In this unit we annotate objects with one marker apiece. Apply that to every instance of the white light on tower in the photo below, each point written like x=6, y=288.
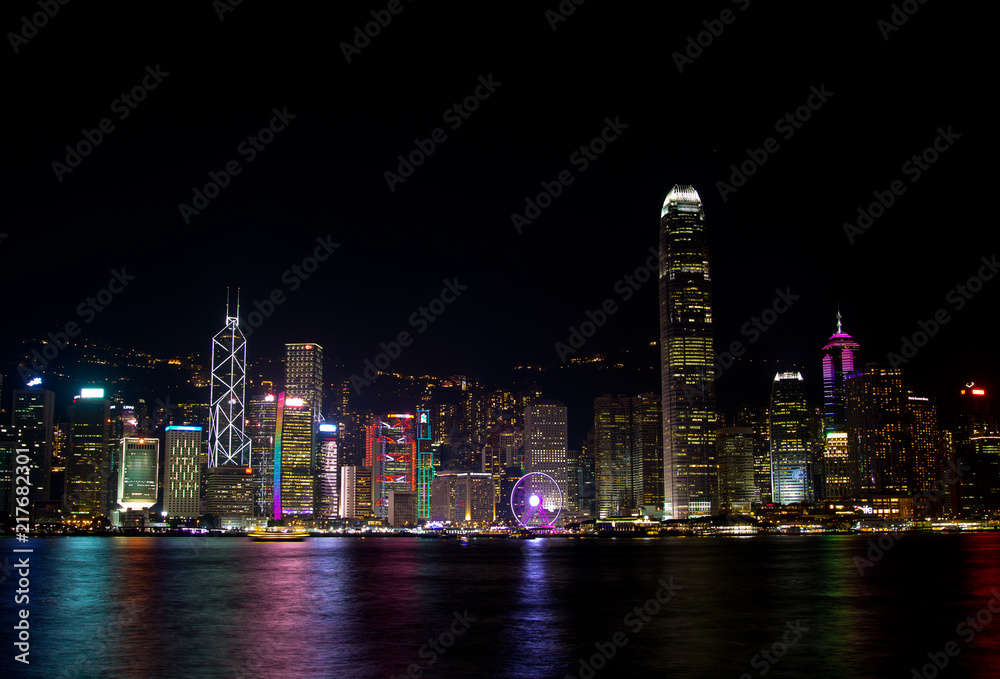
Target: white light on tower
x=227, y=444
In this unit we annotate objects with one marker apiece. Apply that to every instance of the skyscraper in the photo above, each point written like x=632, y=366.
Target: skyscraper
x=875, y=409
x=687, y=363
x=425, y=464
x=736, y=466
x=790, y=463
x=757, y=420
x=31, y=421
x=304, y=375
x=545, y=442
x=924, y=457
x=299, y=414
x=647, y=450
x=294, y=457
x=836, y=467
x=89, y=462
x=612, y=437
x=838, y=363
x=182, y=477
x=262, y=418
x=138, y=472
x=391, y=448
x=228, y=446
x=327, y=469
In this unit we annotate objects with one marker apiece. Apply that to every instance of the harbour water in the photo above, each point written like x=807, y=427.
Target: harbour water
x=357, y=608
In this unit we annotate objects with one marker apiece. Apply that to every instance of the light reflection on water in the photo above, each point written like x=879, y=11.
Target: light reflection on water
x=132, y=608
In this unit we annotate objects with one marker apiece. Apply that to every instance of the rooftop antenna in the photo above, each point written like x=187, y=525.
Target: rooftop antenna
x=840, y=330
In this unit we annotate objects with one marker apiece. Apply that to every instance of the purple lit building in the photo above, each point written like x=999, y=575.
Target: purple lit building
x=838, y=363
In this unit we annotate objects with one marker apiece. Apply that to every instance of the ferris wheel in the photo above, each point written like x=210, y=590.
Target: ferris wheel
x=536, y=501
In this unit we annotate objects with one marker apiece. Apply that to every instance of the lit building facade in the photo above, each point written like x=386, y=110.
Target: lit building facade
x=89, y=464
x=876, y=401
x=402, y=508
x=293, y=457
x=182, y=477
x=790, y=464
x=304, y=375
x=647, y=450
x=327, y=469
x=757, y=420
x=391, y=448
x=426, y=467
x=138, y=473
x=924, y=456
x=612, y=439
x=31, y=427
x=838, y=363
x=230, y=493
x=262, y=422
x=836, y=466
x=686, y=357
x=736, y=468
x=545, y=441
x=463, y=497
x=227, y=443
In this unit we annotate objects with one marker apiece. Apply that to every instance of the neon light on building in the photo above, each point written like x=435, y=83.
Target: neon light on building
x=838, y=363
x=390, y=447
x=425, y=464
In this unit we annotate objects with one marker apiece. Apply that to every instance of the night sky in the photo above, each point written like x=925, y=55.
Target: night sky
x=886, y=95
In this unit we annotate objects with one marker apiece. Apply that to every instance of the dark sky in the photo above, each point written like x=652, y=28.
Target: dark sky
x=324, y=175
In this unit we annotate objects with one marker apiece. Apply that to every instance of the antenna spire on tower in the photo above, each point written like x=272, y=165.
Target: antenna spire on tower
x=840, y=330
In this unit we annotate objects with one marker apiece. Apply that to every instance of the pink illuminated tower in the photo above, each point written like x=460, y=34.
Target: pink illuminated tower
x=838, y=363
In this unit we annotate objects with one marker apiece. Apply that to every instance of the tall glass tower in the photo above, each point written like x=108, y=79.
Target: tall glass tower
x=690, y=471
x=790, y=467
x=227, y=443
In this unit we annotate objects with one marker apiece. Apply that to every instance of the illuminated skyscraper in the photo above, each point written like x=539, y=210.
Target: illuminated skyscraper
x=924, y=454
x=391, y=448
x=89, y=462
x=757, y=420
x=876, y=400
x=836, y=467
x=736, y=468
x=228, y=446
x=293, y=457
x=32, y=429
x=790, y=463
x=838, y=363
x=327, y=469
x=138, y=472
x=182, y=477
x=687, y=363
x=298, y=417
x=647, y=450
x=545, y=441
x=612, y=438
x=304, y=375
x=262, y=419
x=425, y=464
